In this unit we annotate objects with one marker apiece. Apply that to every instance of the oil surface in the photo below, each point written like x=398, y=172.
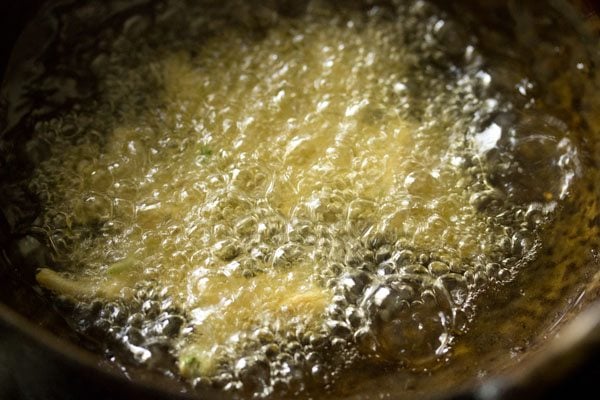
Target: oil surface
x=273, y=200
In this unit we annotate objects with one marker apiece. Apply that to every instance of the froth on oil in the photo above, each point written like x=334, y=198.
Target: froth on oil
x=294, y=196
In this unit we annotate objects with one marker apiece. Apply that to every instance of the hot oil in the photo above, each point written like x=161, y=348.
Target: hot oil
x=268, y=202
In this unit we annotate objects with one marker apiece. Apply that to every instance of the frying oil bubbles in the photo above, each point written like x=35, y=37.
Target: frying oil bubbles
x=299, y=195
